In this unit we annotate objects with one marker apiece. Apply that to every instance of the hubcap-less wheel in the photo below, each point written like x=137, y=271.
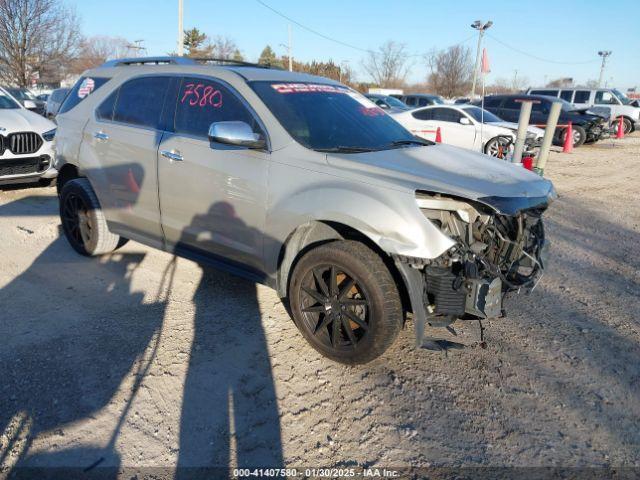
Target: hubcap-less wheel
x=335, y=307
x=76, y=219
x=497, y=148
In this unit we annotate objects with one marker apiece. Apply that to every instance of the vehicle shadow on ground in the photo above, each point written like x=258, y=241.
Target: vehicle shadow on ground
x=64, y=360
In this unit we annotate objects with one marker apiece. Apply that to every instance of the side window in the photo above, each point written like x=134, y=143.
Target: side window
x=426, y=114
x=202, y=102
x=605, y=98
x=492, y=102
x=84, y=87
x=411, y=101
x=511, y=104
x=582, y=96
x=542, y=107
x=551, y=93
x=446, y=115
x=105, y=110
x=566, y=95
x=140, y=101
x=423, y=102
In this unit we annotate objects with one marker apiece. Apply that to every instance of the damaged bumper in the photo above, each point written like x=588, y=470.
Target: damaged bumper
x=500, y=248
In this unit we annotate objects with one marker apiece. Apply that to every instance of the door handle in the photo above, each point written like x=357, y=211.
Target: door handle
x=172, y=155
x=100, y=136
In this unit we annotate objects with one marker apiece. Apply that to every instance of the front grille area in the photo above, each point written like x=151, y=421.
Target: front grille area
x=24, y=166
x=21, y=143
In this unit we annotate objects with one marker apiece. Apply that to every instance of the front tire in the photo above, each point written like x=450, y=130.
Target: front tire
x=345, y=302
x=83, y=221
x=579, y=135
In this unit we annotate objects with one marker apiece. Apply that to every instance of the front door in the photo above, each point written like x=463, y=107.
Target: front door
x=213, y=197
x=451, y=130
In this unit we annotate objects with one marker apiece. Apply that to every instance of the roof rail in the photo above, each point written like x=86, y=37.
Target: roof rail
x=229, y=61
x=123, y=62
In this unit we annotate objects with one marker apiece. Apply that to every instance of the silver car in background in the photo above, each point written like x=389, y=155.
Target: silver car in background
x=302, y=184
x=54, y=102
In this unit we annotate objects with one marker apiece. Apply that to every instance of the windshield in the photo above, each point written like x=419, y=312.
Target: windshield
x=332, y=117
x=477, y=113
x=622, y=97
x=7, y=103
x=21, y=93
x=394, y=102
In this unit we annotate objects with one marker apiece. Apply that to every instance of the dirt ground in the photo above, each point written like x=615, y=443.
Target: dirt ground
x=139, y=359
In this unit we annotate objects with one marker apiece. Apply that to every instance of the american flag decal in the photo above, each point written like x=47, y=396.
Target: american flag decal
x=86, y=87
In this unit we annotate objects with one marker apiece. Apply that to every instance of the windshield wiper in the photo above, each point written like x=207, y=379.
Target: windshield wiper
x=346, y=149
x=400, y=143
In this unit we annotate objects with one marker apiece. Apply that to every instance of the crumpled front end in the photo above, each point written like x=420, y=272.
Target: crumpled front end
x=500, y=247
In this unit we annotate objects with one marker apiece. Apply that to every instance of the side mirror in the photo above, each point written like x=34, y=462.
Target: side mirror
x=465, y=121
x=383, y=105
x=239, y=134
x=29, y=105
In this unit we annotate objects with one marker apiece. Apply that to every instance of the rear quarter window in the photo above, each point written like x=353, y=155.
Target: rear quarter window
x=84, y=87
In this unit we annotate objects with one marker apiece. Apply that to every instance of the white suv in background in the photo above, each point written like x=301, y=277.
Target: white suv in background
x=599, y=100
x=26, y=144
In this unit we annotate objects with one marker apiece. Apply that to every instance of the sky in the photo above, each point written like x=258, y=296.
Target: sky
x=564, y=35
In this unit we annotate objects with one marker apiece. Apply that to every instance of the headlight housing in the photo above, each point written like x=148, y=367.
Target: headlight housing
x=49, y=135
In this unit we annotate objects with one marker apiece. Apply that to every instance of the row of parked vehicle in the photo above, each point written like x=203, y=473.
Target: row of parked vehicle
x=45, y=104
x=593, y=113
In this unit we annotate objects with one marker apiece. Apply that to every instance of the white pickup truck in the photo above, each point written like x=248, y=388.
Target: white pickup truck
x=610, y=101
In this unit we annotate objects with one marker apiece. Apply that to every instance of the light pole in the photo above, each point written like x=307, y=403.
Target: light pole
x=180, y=49
x=604, y=54
x=289, y=47
x=478, y=25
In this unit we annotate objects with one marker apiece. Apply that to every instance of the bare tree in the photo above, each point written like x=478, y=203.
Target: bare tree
x=561, y=82
x=387, y=66
x=224, y=47
x=35, y=35
x=94, y=51
x=451, y=71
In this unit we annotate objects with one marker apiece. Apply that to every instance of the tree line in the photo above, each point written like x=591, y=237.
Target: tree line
x=42, y=39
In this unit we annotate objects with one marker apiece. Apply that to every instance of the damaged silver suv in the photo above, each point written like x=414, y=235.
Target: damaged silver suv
x=302, y=184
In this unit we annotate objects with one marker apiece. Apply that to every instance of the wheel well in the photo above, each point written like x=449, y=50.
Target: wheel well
x=314, y=234
x=66, y=173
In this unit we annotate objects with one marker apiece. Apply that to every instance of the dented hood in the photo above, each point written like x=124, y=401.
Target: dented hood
x=453, y=171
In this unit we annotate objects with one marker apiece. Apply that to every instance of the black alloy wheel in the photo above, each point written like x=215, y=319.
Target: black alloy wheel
x=335, y=307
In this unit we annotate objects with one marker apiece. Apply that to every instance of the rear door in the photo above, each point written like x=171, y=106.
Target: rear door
x=122, y=144
x=213, y=197
x=510, y=110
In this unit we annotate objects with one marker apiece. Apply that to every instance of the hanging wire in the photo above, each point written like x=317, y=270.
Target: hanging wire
x=531, y=55
x=340, y=42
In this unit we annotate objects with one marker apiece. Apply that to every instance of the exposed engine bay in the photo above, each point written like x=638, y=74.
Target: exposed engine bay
x=495, y=254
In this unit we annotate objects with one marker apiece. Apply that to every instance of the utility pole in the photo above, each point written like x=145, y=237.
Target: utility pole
x=289, y=48
x=180, y=49
x=604, y=54
x=481, y=29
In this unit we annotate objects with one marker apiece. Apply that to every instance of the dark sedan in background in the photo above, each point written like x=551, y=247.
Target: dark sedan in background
x=586, y=127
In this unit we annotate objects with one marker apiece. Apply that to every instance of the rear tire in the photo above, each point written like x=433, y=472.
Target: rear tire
x=83, y=221
x=353, y=318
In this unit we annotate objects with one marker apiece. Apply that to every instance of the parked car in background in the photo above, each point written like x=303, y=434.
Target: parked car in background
x=415, y=100
x=608, y=101
x=27, y=99
x=586, y=127
x=461, y=125
x=300, y=183
x=26, y=144
x=462, y=100
x=55, y=100
x=387, y=102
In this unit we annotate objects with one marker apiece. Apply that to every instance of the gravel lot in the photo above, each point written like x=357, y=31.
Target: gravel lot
x=139, y=359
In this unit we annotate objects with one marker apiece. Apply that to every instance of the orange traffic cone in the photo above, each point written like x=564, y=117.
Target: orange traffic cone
x=620, y=132
x=438, y=136
x=568, y=140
